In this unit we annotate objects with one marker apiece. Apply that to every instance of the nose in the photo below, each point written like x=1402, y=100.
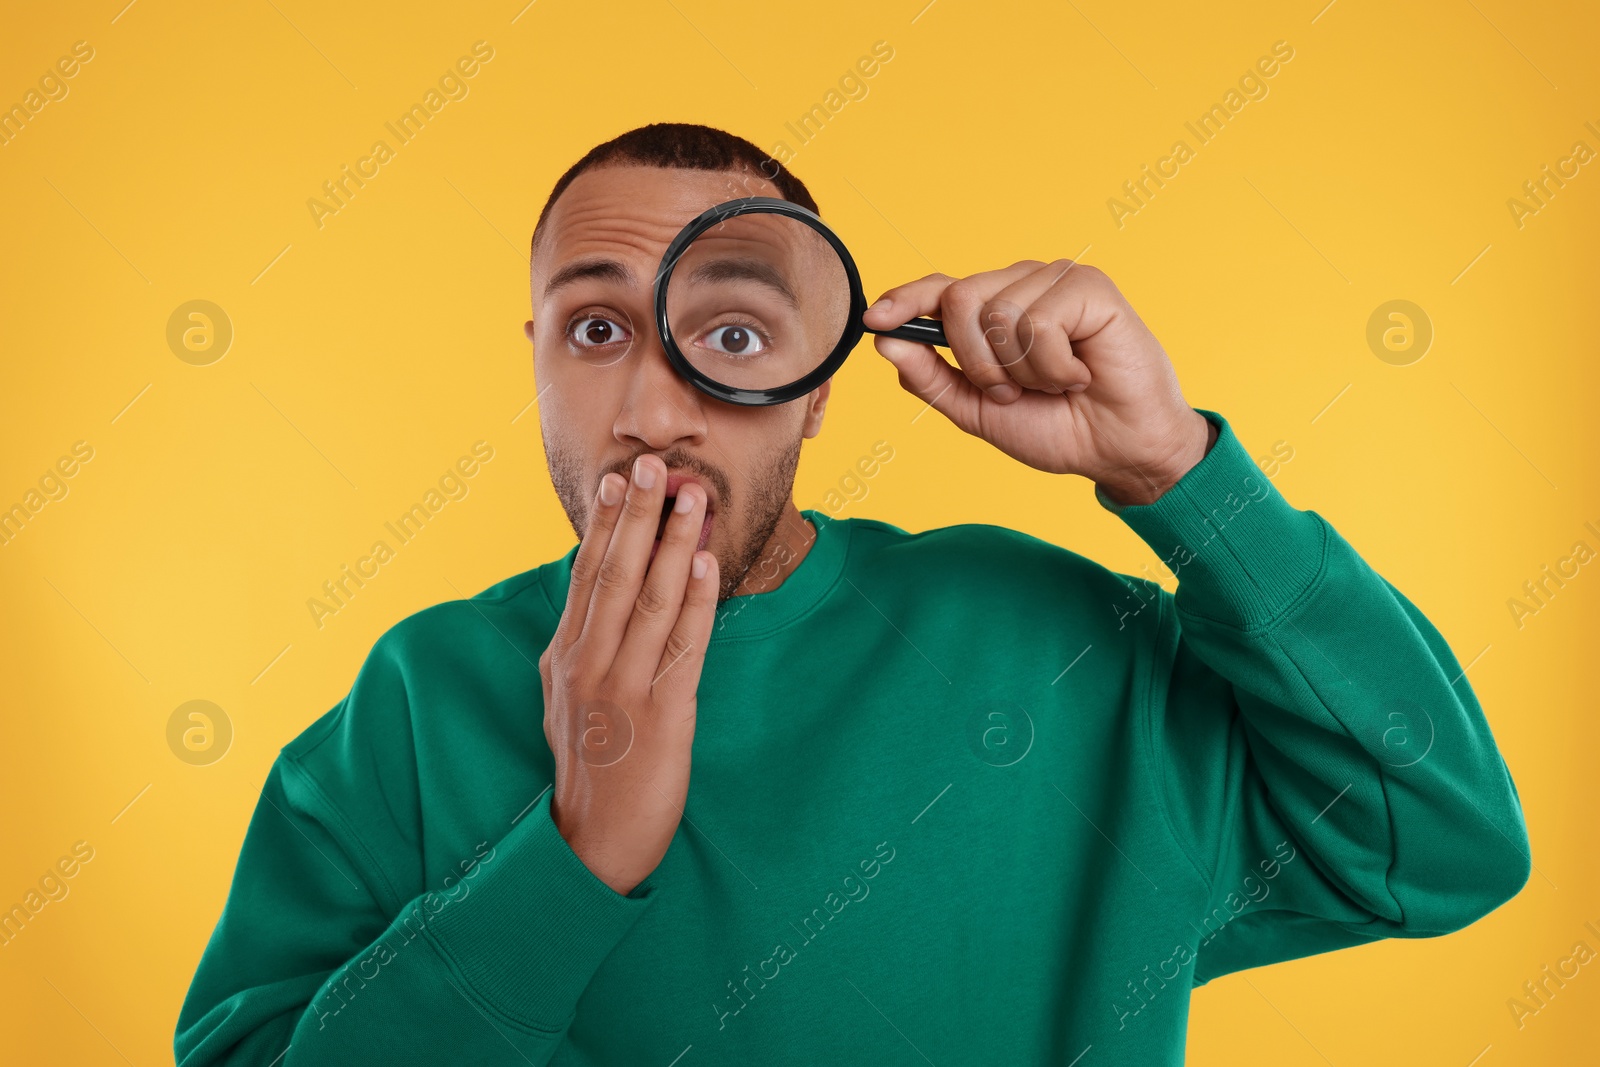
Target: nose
x=659, y=408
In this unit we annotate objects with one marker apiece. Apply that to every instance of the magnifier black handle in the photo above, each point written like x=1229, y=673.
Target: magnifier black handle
x=928, y=331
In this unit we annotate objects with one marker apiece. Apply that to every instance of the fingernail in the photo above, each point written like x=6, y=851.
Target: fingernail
x=644, y=475
x=610, y=493
x=883, y=304
x=1002, y=393
x=698, y=567
x=1078, y=388
x=683, y=503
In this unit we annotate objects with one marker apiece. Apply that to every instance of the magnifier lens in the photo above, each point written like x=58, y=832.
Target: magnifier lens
x=758, y=301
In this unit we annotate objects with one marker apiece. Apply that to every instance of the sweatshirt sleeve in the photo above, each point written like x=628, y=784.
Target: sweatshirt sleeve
x=1322, y=757
x=318, y=959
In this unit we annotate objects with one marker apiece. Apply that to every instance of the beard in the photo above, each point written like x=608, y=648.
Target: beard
x=757, y=519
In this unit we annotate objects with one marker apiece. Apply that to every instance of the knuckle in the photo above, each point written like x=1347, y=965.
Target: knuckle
x=577, y=675
x=652, y=602
x=566, y=630
x=961, y=296
x=1040, y=326
x=1002, y=312
x=639, y=504
x=583, y=569
x=611, y=577
x=678, y=645
x=1003, y=329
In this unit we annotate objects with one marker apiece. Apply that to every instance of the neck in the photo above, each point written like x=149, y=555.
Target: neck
x=788, y=545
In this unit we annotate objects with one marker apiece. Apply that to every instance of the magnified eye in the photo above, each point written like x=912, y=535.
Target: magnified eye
x=735, y=340
x=593, y=331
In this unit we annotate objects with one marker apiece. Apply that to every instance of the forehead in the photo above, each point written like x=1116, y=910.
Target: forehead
x=633, y=212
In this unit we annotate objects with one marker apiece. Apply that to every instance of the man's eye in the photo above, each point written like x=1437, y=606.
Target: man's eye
x=594, y=331
x=735, y=341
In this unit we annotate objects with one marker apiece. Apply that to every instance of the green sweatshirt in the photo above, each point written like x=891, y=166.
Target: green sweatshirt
x=958, y=796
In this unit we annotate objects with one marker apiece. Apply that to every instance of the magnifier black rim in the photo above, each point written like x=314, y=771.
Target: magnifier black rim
x=854, y=330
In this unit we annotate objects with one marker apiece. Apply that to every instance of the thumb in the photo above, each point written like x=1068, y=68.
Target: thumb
x=926, y=375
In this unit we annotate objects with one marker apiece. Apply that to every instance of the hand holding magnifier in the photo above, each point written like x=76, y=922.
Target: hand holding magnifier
x=759, y=302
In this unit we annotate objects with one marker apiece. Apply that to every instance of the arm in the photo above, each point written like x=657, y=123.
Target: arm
x=318, y=959
x=331, y=951
x=1325, y=763
x=1284, y=665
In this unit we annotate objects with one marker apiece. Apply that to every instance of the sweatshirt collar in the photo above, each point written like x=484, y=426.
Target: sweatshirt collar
x=755, y=614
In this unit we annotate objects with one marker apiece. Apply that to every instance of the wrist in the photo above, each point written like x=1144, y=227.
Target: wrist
x=620, y=881
x=1147, y=485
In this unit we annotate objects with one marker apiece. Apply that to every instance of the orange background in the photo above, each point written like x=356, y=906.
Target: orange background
x=371, y=352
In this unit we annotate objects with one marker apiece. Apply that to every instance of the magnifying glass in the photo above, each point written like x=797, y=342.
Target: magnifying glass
x=759, y=302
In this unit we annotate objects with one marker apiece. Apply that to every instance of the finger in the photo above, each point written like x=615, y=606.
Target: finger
x=949, y=299
x=1023, y=330
x=961, y=306
x=900, y=305
x=620, y=574
x=925, y=374
x=591, y=550
x=677, y=676
x=656, y=609
x=1064, y=319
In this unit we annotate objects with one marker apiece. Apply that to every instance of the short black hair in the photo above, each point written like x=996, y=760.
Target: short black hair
x=684, y=145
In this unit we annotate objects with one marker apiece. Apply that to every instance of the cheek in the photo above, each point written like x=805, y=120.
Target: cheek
x=576, y=409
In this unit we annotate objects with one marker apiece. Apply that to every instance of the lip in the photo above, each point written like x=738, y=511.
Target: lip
x=674, y=483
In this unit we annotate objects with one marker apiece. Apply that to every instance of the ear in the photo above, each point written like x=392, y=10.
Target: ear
x=527, y=328
x=816, y=405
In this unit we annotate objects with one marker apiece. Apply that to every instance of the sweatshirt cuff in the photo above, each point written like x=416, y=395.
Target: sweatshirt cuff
x=1241, y=552
x=531, y=937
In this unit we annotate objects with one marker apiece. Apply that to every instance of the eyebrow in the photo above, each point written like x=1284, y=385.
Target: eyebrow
x=754, y=270
x=605, y=270
x=717, y=270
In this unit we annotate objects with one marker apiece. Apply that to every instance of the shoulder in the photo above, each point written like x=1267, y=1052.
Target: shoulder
x=443, y=642
x=996, y=558
x=452, y=626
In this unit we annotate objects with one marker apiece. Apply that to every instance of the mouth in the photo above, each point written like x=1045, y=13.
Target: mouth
x=674, y=481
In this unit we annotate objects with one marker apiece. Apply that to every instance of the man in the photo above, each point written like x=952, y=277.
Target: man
x=960, y=796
